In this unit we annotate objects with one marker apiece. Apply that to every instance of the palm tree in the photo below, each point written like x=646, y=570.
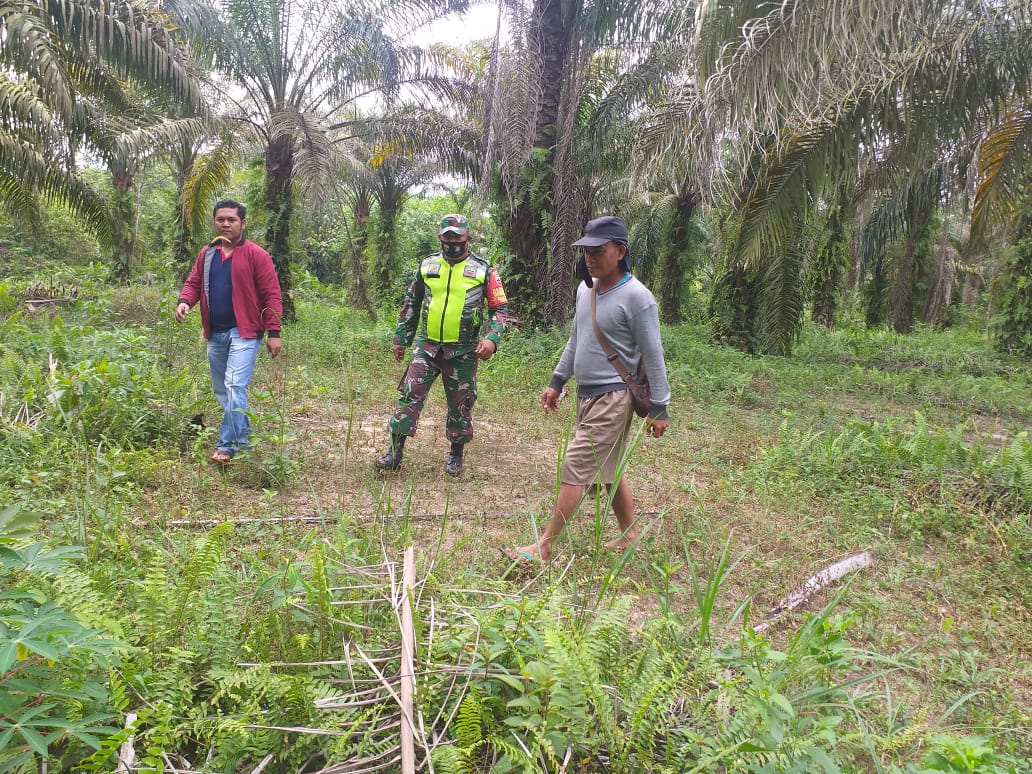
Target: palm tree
x=300, y=65
x=821, y=90
x=144, y=133
x=1012, y=326
x=664, y=240
x=67, y=65
x=539, y=121
x=830, y=258
x=1005, y=179
x=201, y=164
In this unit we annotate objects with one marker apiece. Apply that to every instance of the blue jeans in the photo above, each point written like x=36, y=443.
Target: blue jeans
x=232, y=359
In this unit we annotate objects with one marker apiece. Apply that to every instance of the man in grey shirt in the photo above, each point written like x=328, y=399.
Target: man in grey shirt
x=626, y=313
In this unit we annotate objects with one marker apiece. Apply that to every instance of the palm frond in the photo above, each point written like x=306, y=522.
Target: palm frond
x=790, y=182
x=780, y=299
x=893, y=218
x=143, y=140
x=28, y=45
x=26, y=175
x=131, y=38
x=22, y=106
x=209, y=173
x=315, y=163
x=1003, y=166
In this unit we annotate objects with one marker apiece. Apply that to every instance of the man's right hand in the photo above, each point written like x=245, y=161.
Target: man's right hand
x=399, y=351
x=181, y=311
x=549, y=398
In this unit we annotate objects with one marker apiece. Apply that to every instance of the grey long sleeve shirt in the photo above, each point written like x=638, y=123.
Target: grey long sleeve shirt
x=628, y=316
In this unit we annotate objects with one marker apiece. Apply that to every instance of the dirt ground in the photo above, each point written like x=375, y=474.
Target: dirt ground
x=681, y=492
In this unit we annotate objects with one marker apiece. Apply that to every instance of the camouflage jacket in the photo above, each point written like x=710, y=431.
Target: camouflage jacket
x=446, y=303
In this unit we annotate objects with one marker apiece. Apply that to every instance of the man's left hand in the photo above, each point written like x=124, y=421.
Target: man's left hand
x=485, y=348
x=274, y=344
x=656, y=427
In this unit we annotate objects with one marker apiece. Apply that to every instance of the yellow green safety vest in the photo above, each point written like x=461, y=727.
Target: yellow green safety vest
x=454, y=300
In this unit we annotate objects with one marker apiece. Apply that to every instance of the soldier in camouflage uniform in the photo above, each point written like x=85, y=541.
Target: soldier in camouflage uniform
x=445, y=301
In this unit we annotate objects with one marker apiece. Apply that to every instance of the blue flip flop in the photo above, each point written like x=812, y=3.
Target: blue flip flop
x=518, y=556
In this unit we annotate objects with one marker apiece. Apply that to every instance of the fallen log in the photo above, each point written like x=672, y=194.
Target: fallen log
x=821, y=580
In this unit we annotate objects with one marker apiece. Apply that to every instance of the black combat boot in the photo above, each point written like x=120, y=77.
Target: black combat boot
x=453, y=465
x=391, y=461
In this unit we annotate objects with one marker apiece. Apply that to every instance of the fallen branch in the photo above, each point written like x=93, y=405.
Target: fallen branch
x=261, y=766
x=407, y=670
x=127, y=753
x=482, y=515
x=821, y=580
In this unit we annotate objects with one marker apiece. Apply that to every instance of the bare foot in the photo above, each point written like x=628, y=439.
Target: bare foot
x=622, y=543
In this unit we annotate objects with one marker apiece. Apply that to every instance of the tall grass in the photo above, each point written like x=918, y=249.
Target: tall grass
x=640, y=661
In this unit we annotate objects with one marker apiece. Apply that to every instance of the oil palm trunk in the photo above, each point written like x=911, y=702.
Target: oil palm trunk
x=675, y=261
x=904, y=286
x=279, y=171
x=528, y=225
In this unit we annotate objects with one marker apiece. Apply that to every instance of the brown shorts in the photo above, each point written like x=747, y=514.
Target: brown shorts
x=595, y=451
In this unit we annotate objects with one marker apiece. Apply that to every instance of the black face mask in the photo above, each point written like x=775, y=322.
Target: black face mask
x=453, y=249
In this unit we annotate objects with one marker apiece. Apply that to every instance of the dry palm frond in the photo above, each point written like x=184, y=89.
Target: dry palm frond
x=1003, y=164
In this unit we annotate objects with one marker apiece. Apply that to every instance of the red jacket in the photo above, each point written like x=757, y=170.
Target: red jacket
x=257, y=300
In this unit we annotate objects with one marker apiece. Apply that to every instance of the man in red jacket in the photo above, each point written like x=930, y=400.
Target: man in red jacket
x=236, y=283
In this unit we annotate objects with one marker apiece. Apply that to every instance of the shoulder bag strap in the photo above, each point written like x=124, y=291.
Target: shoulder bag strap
x=611, y=354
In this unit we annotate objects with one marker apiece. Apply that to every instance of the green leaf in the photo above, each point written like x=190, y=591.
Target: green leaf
x=518, y=721
x=8, y=655
x=15, y=524
x=539, y=672
x=820, y=757
x=42, y=648
x=36, y=740
x=524, y=702
x=513, y=682
x=784, y=704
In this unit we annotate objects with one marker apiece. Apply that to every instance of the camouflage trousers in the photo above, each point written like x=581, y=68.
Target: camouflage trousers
x=459, y=376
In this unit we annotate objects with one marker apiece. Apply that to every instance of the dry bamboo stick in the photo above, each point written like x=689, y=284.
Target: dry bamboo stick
x=339, y=662
x=347, y=768
x=383, y=680
x=478, y=515
x=351, y=666
x=408, y=681
x=332, y=704
x=127, y=753
x=344, y=602
x=316, y=731
x=339, y=702
x=261, y=766
x=379, y=680
x=248, y=520
x=377, y=691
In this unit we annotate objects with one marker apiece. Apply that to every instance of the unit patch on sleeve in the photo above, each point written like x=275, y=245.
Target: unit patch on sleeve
x=495, y=291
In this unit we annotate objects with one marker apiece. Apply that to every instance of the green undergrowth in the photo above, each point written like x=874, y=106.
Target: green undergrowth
x=127, y=612
x=910, y=479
